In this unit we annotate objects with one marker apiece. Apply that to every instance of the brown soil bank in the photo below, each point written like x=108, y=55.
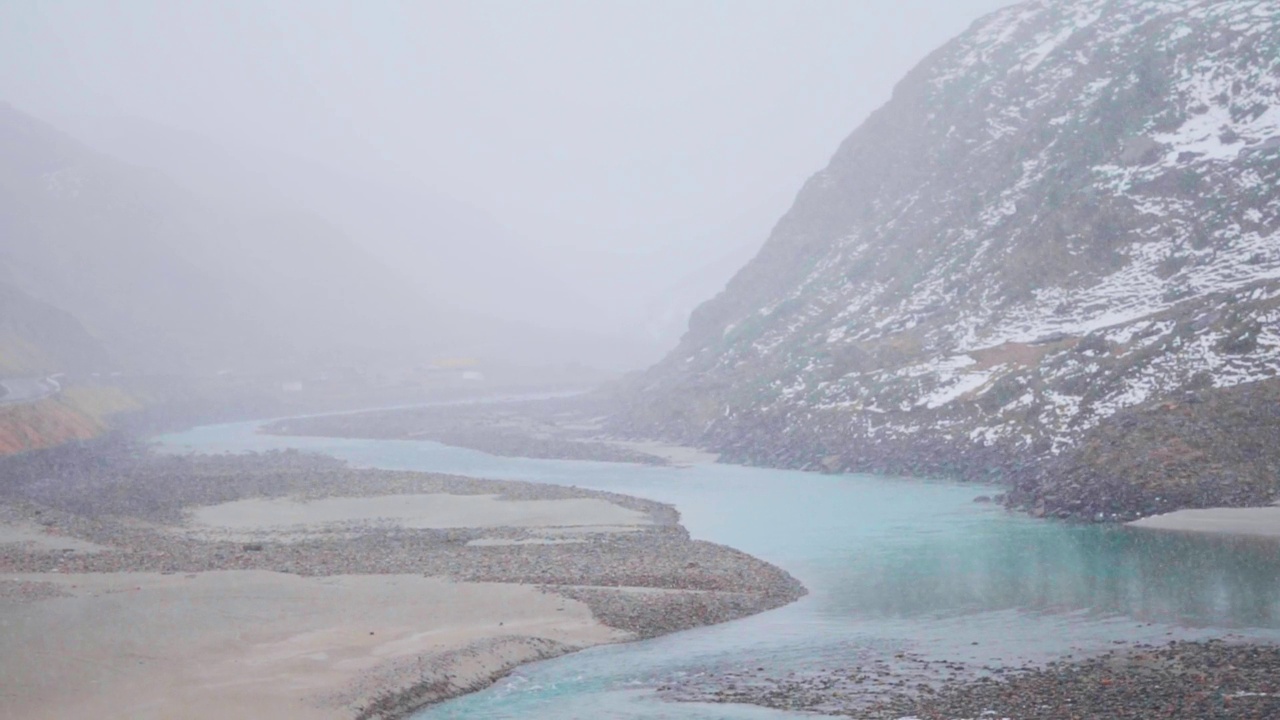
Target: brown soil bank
x=77, y=413
x=43, y=424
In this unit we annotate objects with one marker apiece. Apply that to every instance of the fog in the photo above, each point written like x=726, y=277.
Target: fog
x=587, y=172
x=543, y=359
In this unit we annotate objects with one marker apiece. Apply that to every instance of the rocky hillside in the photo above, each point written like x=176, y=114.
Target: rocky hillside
x=169, y=280
x=1070, y=211
x=39, y=339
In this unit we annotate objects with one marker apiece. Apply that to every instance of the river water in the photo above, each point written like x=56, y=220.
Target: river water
x=893, y=566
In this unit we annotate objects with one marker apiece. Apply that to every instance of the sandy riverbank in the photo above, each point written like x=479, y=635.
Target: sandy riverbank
x=259, y=644
x=290, y=586
x=1254, y=521
x=679, y=455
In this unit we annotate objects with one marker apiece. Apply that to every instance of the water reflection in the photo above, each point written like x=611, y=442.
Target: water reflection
x=1029, y=565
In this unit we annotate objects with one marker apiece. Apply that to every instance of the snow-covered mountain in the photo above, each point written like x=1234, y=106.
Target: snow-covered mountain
x=1071, y=210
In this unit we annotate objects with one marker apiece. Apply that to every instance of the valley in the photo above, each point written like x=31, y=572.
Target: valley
x=467, y=361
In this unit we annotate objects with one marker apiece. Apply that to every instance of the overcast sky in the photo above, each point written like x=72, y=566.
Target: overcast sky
x=636, y=141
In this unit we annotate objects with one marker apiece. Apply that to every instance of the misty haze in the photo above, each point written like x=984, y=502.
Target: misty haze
x=881, y=359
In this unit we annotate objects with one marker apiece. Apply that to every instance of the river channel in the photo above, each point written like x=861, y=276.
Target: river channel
x=893, y=567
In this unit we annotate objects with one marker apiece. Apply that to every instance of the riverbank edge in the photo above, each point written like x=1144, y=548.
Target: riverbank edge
x=933, y=462
x=400, y=700
x=398, y=704
x=1196, y=448
x=1139, y=681
x=498, y=675
x=441, y=686
x=1262, y=522
x=402, y=703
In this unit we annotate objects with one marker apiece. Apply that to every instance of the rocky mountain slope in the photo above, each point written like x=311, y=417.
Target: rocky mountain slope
x=39, y=339
x=1070, y=212
x=174, y=281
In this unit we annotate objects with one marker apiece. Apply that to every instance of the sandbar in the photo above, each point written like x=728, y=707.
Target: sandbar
x=1254, y=521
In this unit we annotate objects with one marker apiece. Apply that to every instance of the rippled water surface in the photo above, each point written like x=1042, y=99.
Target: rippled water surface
x=892, y=566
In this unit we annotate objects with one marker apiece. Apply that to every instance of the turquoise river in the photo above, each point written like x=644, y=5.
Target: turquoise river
x=893, y=566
